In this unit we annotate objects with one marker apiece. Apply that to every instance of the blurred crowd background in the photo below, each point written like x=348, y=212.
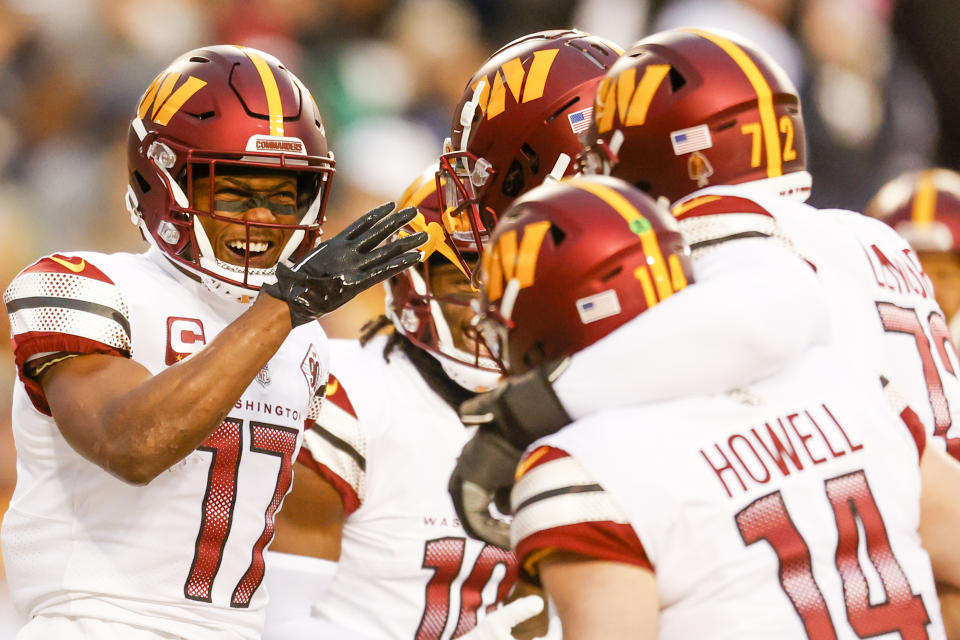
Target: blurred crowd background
x=875, y=77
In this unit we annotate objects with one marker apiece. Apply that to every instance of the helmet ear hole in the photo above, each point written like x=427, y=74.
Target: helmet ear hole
x=532, y=158
x=557, y=234
x=535, y=356
x=141, y=182
x=513, y=181
x=676, y=79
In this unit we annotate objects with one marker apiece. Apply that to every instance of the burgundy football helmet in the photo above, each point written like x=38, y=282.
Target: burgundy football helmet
x=687, y=108
x=923, y=207
x=220, y=109
x=428, y=316
x=569, y=262
x=520, y=120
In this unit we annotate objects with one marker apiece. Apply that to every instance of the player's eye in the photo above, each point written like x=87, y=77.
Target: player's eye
x=233, y=194
x=285, y=197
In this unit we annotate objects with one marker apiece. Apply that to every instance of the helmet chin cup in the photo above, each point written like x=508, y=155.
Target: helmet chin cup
x=467, y=376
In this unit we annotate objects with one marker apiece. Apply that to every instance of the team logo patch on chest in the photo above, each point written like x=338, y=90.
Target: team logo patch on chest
x=311, y=370
x=184, y=337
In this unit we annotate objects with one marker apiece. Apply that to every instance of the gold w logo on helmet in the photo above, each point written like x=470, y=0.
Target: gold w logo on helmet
x=626, y=98
x=508, y=261
x=162, y=101
x=492, y=99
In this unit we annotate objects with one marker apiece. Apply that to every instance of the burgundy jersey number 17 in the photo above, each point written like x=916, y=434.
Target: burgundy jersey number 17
x=221, y=497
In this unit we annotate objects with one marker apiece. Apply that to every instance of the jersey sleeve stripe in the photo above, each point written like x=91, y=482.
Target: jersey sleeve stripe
x=563, y=509
x=349, y=496
x=557, y=491
x=702, y=231
x=546, y=495
x=549, y=475
x=718, y=205
x=341, y=445
x=598, y=540
x=342, y=468
x=734, y=236
x=43, y=302
x=30, y=344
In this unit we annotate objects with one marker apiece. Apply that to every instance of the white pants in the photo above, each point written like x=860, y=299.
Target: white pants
x=57, y=627
x=294, y=583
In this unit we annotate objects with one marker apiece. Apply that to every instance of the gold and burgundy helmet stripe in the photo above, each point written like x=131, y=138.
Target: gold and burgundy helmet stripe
x=270, y=88
x=923, y=206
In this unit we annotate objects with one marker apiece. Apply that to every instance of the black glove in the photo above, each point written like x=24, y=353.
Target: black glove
x=347, y=264
x=511, y=417
x=483, y=478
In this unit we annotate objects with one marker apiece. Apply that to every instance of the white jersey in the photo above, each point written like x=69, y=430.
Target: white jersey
x=786, y=510
x=407, y=569
x=183, y=554
x=872, y=299
x=882, y=304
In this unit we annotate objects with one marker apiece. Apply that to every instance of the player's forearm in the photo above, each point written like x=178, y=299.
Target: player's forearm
x=152, y=422
x=172, y=413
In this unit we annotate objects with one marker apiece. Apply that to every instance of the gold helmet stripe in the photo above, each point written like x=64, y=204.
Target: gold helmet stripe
x=274, y=103
x=183, y=93
x=924, y=207
x=537, y=78
x=768, y=117
x=640, y=226
x=163, y=92
x=149, y=96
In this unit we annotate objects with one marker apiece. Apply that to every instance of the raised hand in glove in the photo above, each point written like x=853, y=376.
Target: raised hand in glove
x=346, y=264
x=519, y=411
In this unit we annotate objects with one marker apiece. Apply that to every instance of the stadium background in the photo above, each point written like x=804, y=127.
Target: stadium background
x=874, y=76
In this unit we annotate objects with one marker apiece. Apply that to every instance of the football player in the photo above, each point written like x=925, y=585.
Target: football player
x=924, y=207
x=388, y=435
x=163, y=396
x=787, y=508
x=714, y=127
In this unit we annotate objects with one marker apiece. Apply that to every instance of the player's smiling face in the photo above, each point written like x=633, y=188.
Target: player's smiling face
x=269, y=198
x=453, y=291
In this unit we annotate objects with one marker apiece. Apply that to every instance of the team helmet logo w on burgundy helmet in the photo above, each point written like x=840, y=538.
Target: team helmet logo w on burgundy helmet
x=520, y=119
x=224, y=110
x=688, y=108
x=572, y=261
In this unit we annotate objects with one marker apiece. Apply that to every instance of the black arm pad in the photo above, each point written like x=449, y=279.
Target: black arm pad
x=522, y=409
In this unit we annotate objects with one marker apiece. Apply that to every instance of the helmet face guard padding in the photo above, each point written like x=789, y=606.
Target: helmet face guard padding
x=687, y=108
x=212, y=111
x=520, y=120
x=417, y=311
x=570, y=262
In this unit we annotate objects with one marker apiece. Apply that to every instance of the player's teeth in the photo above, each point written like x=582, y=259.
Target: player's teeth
x=255, y=247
